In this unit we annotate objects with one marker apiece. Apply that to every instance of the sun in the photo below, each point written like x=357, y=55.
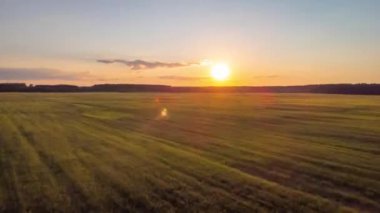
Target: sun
x=220, y=72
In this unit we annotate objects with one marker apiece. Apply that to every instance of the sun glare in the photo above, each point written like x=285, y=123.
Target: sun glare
x=220, y=72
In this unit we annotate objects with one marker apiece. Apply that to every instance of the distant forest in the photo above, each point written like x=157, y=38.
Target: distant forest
x=357, y=89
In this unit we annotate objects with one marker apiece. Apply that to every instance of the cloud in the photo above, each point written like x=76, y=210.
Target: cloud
x=37, y=74
x=141, y=64
x=181, y=78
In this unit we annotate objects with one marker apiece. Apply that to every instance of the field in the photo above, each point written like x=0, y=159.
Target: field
x=144, y=152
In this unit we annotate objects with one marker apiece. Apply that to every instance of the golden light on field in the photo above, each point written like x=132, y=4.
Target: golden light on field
x=220, y=72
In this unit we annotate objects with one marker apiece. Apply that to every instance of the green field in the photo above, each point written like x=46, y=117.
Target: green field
x=211, y=152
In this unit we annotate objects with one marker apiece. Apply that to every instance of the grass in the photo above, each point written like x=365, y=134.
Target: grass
x=213, y=152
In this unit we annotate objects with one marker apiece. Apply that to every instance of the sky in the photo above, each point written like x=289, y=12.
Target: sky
x=176, y=42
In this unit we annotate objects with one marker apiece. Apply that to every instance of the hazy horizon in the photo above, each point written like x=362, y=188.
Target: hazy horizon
x=176, y=42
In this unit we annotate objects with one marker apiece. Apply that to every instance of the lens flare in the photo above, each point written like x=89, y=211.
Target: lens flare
x=164, y=112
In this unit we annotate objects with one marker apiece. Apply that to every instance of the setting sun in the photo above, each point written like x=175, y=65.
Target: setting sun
x=220, y=72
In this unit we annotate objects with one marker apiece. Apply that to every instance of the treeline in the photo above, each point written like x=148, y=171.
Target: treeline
x=22, y=87
x=363, y=89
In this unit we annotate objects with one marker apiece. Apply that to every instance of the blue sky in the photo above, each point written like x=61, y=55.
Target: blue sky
x=271, y=42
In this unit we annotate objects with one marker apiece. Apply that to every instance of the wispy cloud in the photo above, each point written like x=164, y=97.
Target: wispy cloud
x=141, y=64
x=182, y=78
x=37, y=74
